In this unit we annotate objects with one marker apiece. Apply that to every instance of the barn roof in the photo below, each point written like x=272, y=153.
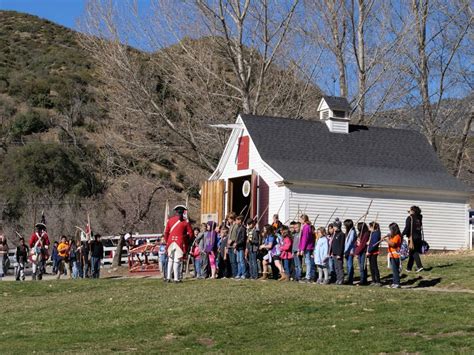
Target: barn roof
x=303, y=150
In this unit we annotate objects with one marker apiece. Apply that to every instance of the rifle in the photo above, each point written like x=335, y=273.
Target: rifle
x=329, y=220
x=368, y=242
x=315, y=219
x=259, y=218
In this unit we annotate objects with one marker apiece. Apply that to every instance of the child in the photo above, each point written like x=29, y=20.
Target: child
x=224, y=265
x=286, y=253
x=21, y=260
x=268, y=247
x=163, y=258
x=55, y=258
x=321, y=256
x=373, y=252
x=296, y=256
x=63, y=254
x=200, y=241
x=240, y=246
x=210, y=242
x=337, y=251
x=332, y=265
x=196, y=253
x=306, y=246
x=394, y=241
x=349, y=248
x=253, y=242
x=361, y=250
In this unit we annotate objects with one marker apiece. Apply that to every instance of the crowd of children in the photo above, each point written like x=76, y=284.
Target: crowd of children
x=238, y=250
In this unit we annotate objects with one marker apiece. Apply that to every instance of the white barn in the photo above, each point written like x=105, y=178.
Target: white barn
x=290, y=166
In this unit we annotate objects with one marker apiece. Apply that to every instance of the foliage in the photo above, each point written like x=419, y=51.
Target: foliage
x=29, y=122
x=148, y=316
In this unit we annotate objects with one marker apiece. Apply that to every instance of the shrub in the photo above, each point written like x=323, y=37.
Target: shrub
x=27, y=123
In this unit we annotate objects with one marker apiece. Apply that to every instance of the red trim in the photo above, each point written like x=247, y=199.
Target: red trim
x=243, y=153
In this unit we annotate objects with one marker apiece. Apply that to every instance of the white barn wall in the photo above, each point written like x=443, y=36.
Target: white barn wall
x=445, y=223
x=229, y=171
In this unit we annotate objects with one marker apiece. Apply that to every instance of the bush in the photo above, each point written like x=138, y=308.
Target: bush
x=27, y=123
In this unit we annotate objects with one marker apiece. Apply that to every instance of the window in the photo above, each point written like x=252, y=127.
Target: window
x=340, y=114
x=325, y=114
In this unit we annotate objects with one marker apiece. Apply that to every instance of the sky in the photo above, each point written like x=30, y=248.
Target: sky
x=63, y=12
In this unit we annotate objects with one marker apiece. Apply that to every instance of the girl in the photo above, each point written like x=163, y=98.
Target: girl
x=337, y=251
x=210, y=246
x=306, y=246
x=413, y=230
x=196, y=253
x=286, y=253
x=361, y=249
x=349, y=248
x=394, y=241
x=321, y=256
x=331, y=266
x=373, y=252
x=269, y=248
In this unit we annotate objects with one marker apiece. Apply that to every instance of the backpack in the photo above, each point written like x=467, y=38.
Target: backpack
x=404, y=250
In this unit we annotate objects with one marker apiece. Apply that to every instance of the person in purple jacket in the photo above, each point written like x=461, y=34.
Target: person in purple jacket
x=306, y=246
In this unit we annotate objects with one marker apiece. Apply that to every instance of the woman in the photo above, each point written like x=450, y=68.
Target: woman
x=394, y=241
x=3, y=255
x=413, y=230
x=361, y=249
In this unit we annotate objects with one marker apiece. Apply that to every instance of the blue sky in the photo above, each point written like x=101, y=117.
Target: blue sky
x=64, y=12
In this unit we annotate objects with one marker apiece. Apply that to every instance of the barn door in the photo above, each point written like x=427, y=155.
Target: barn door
x=212, y=201
x=254, y=195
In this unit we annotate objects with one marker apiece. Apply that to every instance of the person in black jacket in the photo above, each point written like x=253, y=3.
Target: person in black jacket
x=97, y=254
x=240, y=245
x=413, y=230
x=337, y=251
x=253, y=242
x=21, y=260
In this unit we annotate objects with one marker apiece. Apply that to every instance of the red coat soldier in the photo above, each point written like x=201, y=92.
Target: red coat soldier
x=177, y=233
x=39, y=244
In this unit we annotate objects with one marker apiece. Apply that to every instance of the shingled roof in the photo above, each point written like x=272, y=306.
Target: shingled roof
x=337, y=103
x=302, y=150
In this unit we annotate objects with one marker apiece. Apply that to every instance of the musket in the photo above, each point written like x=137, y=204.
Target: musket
x=370, y=237
x=329, y=220
x=315, y=219
x=259, y=218
x=282, y=202
x=243, y=209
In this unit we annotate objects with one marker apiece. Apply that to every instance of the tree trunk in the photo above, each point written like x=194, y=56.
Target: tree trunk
x=117, y=261
x=462, y=146
x=361, y=60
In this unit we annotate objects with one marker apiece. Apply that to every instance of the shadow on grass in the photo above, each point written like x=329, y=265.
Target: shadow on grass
x=439, y=266
x=411, y=281
x=428, y=283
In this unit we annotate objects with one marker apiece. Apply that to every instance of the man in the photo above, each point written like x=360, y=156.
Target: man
x=3, y=255
x=240, y=244
x=97, y=254
x=231, y=252
x=63, y=256
x=39, y=244
x=21, y=260
x=253, y=242
x=178, y=231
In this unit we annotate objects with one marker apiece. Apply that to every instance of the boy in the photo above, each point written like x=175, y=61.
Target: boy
x=63, y=255
x=223, y=259
x=231, y=253
x=240, y=245
x=296, y=258
x=21, y=260
x=337, y=251
x=253, y=242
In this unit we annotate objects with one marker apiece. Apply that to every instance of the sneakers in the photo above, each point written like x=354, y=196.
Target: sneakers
x=407, y=270
x=395, y=286
x=420, y=269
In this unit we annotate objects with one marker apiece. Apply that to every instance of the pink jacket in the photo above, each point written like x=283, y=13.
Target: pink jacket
x=286, y=248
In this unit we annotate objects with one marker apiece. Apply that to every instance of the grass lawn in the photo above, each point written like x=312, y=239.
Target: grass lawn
x=147, y=315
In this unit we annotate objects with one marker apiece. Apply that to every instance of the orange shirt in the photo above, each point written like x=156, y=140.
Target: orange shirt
x=394, y=252
x=63, y=249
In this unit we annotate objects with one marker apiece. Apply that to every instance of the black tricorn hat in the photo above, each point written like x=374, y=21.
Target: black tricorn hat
x=40, y=226
x=180, y=209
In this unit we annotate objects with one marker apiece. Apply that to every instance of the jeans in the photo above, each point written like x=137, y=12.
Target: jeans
x=363, y=268
x=241, y=264
x=204, y=264
x=332, y=269
x=75, y=270
x=339, y=265
x=309, y=264
x=350, y=269
x=286, y=266
x=95, y=267
x=233, y=261
x=395, y=264
x=86, y=266
x=297, y=265
x=20, y=271
x=374, y=268
x=253, y=266
x=163, y=264
x=197, y=268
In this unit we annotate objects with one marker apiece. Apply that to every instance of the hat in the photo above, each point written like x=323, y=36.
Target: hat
x=40, y=226
x=180, y=209
x=337, y=223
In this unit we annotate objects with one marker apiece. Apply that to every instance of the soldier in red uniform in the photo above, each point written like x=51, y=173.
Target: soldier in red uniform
x=39, y=244
x=177, y=233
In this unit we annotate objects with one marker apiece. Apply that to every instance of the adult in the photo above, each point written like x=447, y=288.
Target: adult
x=361, y=251
x=349, y=249
x=39, y=250
x=240, y=246
x=414, y=231
x=177, y=233
x=253, y=242
x=97, y=254
x=210, y=247
x=337, y=251
x=231, y=241
x=63, y=254
x=306, y=246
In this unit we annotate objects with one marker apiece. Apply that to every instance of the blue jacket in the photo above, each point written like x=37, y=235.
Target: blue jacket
x=374, y=238
x=349, y=245
x=321, y=252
